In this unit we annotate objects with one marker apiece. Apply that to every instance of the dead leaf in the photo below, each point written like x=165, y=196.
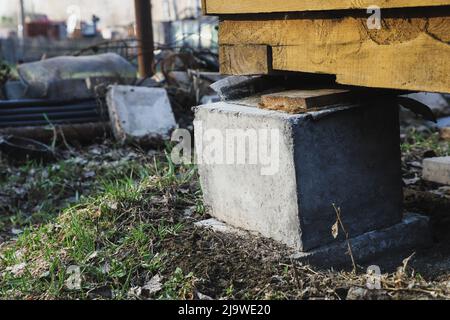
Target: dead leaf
x=89, y=174
x=106, y=268
x=416, y=164
x=335, y=230
x=406, y=262
x=189, y=212
x=184, y=191
x=16, y=232
x=409, y=182
x=134, y=292
x=18, y=269
x=93, y=255
x=203, y=297
x=153, y=286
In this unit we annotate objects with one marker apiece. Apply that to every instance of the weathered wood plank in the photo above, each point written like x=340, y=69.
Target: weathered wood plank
x=299, y=101
x=407, y=54
x=244, y=59
x=218, y=7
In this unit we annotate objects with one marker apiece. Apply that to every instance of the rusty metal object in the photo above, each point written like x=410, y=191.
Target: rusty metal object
x=144, y=34
x=82, y=133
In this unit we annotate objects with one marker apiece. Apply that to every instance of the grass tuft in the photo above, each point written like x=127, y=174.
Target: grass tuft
x=109, y=236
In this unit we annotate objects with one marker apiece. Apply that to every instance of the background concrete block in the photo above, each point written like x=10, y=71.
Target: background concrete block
x=140, y=114
x=348, y=156
x=437, y=170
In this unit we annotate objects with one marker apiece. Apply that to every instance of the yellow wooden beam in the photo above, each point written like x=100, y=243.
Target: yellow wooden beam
x=244, y=59
x=218, y=7
x=409, y=54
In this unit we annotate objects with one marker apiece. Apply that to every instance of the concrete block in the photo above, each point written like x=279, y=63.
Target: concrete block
x=139, y=114
x=389, y=245
x=348, y=156
x=386, y=247
x=437, y=170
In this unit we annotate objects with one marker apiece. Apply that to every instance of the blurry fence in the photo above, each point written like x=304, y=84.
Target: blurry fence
x=197, y=34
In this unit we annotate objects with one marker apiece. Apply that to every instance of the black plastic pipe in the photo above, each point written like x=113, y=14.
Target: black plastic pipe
x=36, y=110
x=7, y=104
x=32, y=123
x=50, y=116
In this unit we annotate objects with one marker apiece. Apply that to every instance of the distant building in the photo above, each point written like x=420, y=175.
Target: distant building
x=110, y=12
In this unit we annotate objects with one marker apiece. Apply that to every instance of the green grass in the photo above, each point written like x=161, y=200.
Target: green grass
x=417, y=141
x=113, y=236
x=41, y=191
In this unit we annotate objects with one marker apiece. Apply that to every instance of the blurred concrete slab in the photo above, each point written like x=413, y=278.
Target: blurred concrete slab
x=437, y=170
x=140, y=115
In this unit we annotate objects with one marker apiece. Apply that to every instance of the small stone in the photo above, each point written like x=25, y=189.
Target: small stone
x=437, y=170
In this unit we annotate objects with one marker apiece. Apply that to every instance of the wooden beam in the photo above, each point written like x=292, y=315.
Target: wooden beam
x=244, y=59
x=218, y=7
x=407, y=53
x=204, y=7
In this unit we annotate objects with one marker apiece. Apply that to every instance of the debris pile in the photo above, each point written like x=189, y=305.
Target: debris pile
x=65, y=98
x=71, y=78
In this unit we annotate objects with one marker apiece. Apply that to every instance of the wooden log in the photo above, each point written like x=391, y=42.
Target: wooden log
x=407, y=53
x=219, y=7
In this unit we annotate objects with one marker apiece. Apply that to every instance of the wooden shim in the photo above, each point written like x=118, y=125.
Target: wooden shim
x=407, y=54
x=218, y=7
x=298, y=101
x=445, y=133
x=244, y=59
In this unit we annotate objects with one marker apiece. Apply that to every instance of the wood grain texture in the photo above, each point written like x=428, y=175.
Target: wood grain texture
x=204, y=11
x=244, y=59
x=407, y=53
x=299, y=101
x=218, y=7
